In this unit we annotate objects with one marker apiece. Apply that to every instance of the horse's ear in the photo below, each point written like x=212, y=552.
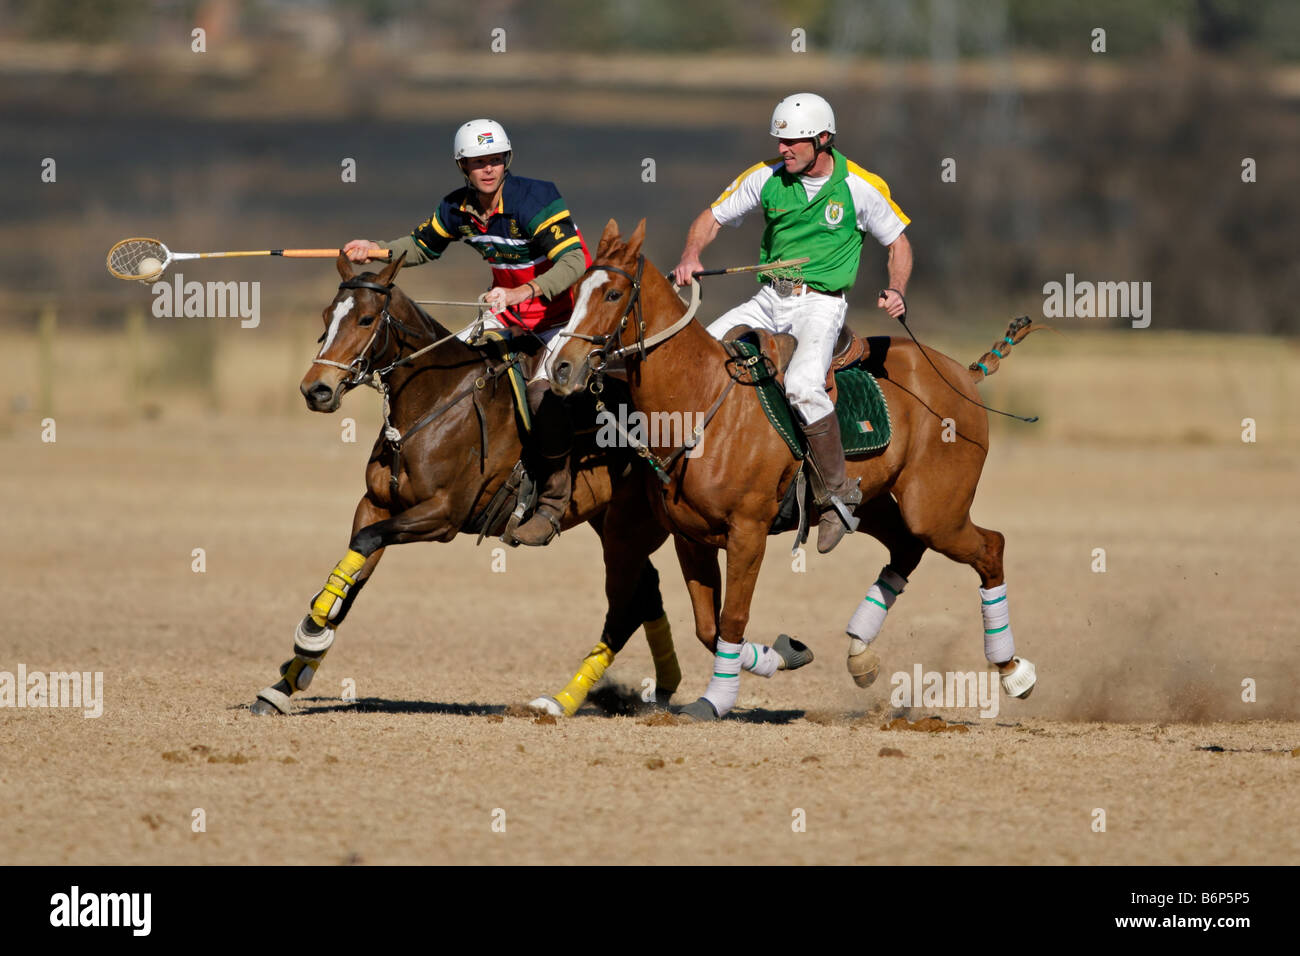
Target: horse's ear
x=607, y=239
x=635, y=240
x=386, y=277
x=345, y=266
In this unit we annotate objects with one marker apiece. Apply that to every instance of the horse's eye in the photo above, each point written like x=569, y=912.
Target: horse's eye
x=613, y=295
x=366, y=320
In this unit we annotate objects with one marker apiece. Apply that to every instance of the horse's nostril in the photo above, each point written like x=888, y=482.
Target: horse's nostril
x=318, y=394
x=562, y=373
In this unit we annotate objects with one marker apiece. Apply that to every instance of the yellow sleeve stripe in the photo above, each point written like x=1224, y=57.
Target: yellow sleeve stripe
x=437, y=227
x=879, y=185
x=567, y=242
x=742, y=177
x=556, y=218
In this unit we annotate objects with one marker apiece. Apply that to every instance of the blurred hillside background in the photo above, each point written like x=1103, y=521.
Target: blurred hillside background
x=1117, y=166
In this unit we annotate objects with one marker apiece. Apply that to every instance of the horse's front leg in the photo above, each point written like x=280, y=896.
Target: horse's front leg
x=745, y=546
x=629, y=535
x=315, y=633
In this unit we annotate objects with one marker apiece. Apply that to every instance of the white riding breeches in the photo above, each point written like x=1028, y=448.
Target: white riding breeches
x=551, y=337
x=812, y=318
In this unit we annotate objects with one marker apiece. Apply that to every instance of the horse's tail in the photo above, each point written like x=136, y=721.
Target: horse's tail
x=988, y=362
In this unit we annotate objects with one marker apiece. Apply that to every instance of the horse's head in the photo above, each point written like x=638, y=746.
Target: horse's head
x=605, y=310
x=358, y=335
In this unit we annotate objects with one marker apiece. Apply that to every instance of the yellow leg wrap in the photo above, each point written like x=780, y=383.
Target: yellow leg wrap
x=300, y=671
x=336, y=587
x=668, y=674
x=592, y=669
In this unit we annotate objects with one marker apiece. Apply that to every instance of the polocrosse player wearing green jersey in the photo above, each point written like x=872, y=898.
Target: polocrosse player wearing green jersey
x=815, y=203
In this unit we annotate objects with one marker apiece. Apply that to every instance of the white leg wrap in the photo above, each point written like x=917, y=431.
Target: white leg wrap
x=724, y=685
x=867, y=620
x=999, y=645
x=759, y=659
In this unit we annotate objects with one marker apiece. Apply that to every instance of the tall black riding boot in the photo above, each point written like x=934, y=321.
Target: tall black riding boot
x=551, y=440
x=827, y=456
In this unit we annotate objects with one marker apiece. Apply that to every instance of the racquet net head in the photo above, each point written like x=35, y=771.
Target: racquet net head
x=785, y=273
x=142, y=259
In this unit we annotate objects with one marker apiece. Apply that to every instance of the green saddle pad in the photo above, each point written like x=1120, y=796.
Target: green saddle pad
x=861, y=407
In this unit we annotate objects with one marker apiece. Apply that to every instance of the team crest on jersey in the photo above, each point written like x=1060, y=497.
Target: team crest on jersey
x=834, y=213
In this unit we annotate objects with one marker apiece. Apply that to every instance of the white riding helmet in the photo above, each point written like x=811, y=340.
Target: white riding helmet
x=480, y=137
x=802, y=116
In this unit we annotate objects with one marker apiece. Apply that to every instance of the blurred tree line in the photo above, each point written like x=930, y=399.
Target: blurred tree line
x=894, y=28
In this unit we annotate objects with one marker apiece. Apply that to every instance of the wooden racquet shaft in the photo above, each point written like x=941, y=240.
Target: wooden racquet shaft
x=286, y=253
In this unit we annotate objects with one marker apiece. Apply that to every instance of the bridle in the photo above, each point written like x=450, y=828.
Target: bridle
x=599, y=357
x=359, y=369
x=602, y=355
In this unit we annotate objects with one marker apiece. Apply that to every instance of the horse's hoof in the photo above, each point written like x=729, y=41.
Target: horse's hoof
x=547, y=705
x=663, y=698
x=699, y=711
x=863, y=663
x=794, y=654
x=271, y=701
x=1020, y=682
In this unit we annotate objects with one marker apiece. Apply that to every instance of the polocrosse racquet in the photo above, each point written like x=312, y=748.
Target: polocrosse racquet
x=146, y=259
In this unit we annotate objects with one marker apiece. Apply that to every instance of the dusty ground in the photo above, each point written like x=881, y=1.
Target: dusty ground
x=1141, y=667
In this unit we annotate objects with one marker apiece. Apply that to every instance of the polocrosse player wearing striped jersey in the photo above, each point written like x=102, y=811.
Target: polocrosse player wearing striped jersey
x=523, y=228
x=815, y=203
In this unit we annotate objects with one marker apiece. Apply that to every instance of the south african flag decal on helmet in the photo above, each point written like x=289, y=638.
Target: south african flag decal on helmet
x=485, y=139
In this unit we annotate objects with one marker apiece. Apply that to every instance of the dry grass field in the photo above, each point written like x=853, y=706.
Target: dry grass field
x=1138, y=710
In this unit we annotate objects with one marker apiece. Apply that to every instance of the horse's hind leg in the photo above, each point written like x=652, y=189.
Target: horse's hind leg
x=883, y=521
x=982, y=549
x=315, y=633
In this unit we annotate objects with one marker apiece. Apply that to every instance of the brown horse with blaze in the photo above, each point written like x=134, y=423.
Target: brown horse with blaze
x=446, y=453
x=917, y=491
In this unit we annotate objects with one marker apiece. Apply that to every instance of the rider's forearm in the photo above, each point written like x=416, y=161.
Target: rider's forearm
x=563, y=273
x=900, y=264
x=407, y=244
x=702, y=232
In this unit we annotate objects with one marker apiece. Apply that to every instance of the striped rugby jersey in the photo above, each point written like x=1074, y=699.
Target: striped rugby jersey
x=528, y=231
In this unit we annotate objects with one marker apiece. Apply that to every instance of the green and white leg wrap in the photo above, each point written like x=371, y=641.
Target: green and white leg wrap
x=868, y=619
x=724, y=685
x=999, y=645
x=759, y=659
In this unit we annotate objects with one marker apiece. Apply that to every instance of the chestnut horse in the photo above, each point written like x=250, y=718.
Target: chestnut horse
x=452, y=407
x=917, y=491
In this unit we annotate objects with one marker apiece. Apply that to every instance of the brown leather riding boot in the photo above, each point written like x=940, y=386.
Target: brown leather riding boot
x=827, y=455
x=552, y=440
